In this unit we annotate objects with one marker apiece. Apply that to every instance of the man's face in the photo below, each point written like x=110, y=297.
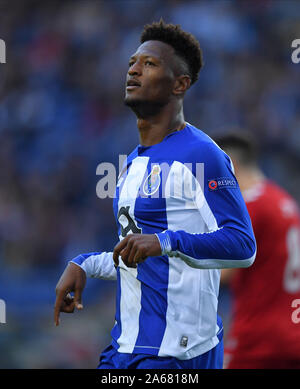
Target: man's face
x=150, y=77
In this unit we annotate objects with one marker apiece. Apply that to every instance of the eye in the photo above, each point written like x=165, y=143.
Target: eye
x=130, y=63
x=149, y=63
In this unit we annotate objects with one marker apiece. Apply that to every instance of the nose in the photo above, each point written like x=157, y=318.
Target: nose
x=135, y=69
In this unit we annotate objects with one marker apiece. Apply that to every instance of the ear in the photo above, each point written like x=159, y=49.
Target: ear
x=182, y=84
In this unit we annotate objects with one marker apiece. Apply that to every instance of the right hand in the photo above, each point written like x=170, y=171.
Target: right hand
x=73, y=279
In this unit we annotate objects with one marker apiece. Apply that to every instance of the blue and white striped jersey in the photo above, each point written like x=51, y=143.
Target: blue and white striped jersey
x=184, y=190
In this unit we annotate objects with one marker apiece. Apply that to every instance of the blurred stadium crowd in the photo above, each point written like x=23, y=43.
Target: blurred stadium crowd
x=62, y=113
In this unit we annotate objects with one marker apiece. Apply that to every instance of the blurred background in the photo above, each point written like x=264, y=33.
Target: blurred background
x=62, y=113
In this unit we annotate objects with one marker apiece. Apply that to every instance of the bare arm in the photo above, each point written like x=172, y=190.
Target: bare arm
x=73, y=279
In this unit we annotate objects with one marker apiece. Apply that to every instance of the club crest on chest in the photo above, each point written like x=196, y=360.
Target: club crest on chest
x=152, y=181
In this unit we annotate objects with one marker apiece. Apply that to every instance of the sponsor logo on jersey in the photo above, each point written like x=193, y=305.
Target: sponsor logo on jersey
x=221, y=183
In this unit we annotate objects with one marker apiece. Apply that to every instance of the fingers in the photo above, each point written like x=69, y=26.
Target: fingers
x=127, y=251
x=118, y=248
x=124, y=249
x=63, y=304
x=68, y=299
x=135, y=248
x=68, y=305
x=58, y=304
x=131, y=251
x=77, y=298
x=139, y=257
x=136, y=255
x=128, y=258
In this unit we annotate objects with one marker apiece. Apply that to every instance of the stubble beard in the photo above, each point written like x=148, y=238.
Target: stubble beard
x=144, y=109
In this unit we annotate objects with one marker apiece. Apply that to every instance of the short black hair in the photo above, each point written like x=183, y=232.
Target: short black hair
x=185, y=44
x=242, y=143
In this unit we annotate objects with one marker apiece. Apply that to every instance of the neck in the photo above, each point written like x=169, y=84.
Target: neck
x=249, y=178
x=155, y=128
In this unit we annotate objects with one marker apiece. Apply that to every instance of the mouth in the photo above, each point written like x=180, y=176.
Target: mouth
x=132, y=84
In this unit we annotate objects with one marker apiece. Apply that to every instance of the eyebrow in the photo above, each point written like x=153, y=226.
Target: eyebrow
x=145, y=56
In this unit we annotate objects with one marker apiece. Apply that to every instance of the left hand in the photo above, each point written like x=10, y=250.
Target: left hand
x=135, y=248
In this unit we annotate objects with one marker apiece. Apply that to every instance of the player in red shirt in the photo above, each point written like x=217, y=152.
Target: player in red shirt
x=263, y=333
